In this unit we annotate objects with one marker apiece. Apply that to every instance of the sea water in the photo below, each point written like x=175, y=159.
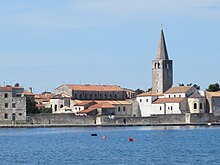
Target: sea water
x=151, y=145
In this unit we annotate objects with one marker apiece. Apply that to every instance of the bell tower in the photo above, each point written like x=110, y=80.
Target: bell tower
x=162, y=68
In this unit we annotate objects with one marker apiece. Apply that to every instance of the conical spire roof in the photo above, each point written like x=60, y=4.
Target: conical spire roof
x=162, y=49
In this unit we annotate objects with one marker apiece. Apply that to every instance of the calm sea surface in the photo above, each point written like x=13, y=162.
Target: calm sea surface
x=151, y=145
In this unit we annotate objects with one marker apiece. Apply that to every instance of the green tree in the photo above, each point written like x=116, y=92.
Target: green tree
x=196, y=86
x=139, y=91
x=31, y=105
x=213, y=87
x=149, y=89
x=45, y=110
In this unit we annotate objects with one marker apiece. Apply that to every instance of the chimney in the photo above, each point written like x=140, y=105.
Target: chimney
x=30, y=89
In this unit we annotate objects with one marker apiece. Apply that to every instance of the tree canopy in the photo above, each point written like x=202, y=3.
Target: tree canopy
x=139, y=91
x=213, y=87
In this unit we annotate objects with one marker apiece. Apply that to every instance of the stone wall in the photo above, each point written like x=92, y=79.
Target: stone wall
x=60, y=119
x=109, y=120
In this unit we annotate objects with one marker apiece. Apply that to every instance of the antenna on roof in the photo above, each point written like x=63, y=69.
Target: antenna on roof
x=161, y=26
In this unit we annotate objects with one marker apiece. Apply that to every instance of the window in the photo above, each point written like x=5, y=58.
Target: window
x=160, y=108
x=100, y=96
x=169, y=96
x=95, y=96
x=75, y=96
x=105, y=96
x=85, y=96
x=115, y=96
x=171, y=108
x=80, y=96
x=200, y=105
x=174, y=96
x=6, y=116
x=119, y=109
x=6, y=105
x=6, y=95
x=140, y=100
x=168, y=108
x=13, y=105
x=123, y=108
x=55, y=107
x=146, y=100
x=110, y=96
x=18, y=95
x=195, y=106
x=179, y=95
x=20, y=114
x=61, y=106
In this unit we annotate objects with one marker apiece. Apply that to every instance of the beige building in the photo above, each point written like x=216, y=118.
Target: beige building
x=92, y=92
x=213, y=102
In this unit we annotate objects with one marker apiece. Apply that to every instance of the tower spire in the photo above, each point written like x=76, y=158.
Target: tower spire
x=162, y=49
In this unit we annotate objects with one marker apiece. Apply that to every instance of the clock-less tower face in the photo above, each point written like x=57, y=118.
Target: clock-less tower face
x=162, y=68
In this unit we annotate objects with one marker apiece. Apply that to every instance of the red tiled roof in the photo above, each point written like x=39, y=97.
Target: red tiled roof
x=179, y=89
x=149, y=94
x=89, y=87
x=83, y=103
x=168, y=100
x=113, y=102
x=6, y=89
x=27, y=93
x=99, y=105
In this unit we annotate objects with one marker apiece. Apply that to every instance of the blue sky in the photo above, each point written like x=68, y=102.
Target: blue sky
x=46, y=43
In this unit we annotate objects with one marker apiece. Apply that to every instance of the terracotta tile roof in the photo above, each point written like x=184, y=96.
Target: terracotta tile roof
x=42, y=96
x=168, y=100
x=149, y=94
x=179, y=89
x=83, y=103
x=89, y=87
x=213, y=94
x=113, y=102
x=103, y=105
x=6, y=89
x=27, y=93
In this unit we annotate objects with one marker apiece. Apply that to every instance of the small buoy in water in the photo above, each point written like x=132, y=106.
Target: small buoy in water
x=131, y=139
x=104, y=137
x=209, y=124
x=94, y=134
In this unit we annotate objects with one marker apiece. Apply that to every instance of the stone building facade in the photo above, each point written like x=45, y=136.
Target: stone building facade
x=92, y=92
x=12, y=103
x=162, y=68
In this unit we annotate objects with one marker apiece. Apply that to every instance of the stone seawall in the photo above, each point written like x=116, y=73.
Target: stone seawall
x=70, y=119
x=60, y=119
x=157, y=119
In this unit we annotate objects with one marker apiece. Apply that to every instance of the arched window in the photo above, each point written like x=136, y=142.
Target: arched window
x=158, y=65
x=61, y=106
x=195, y=105
x=55, y=107
x=200, y=105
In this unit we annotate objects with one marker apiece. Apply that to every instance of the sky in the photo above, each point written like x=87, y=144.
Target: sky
x=46, y=43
